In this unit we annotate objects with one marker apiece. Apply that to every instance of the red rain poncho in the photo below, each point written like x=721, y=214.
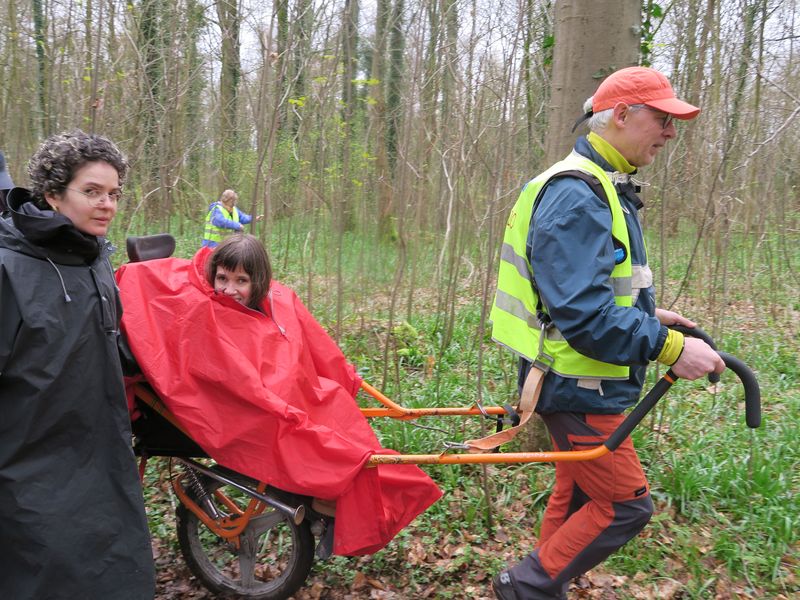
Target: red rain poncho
x=268, y=395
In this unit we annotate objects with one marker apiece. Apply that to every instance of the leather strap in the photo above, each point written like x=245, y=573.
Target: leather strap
x=525, y=410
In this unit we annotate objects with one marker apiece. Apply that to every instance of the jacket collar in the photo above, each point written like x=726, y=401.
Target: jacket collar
x=626, y=186
x=52, y=233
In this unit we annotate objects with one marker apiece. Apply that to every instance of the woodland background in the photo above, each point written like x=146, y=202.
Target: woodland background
x=385, y=142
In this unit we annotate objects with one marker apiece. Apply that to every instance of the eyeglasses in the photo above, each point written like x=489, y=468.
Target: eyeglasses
x=96, y=197
x=665, y=121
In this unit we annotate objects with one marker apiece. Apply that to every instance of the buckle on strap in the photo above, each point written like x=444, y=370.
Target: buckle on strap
x=511, y=418
x=454, y=446
x=543, y=361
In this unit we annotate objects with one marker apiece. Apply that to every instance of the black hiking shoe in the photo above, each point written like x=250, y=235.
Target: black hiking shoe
x=502, y=587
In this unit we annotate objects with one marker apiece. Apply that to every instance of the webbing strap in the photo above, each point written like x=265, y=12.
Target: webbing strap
x=142, y=466
x=527, y=405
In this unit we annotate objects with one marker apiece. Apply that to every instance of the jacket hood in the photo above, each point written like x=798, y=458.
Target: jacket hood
x=45, y=234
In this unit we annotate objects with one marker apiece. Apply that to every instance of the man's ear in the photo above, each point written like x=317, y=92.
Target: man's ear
x=621, y=112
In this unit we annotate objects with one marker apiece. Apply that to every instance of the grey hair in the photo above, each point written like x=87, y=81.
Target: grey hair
x=54, y=164
x=228, y=195
x=598, y=121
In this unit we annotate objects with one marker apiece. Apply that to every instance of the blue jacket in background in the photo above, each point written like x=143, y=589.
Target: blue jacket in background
x=218, y=219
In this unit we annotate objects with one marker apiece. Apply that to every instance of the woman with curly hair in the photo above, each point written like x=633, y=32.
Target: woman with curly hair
x=72, y=515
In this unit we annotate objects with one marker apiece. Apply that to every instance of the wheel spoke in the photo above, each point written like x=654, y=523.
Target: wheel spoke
x=265, y=522
x=247, y=559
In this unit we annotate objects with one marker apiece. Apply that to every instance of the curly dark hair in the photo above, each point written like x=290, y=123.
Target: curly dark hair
x=54, y=164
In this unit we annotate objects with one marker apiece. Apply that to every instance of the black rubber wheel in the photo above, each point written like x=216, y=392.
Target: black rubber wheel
x=273, y=559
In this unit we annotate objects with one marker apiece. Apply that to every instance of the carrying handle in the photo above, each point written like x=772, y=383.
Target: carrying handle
x=700, y=334
x=752, y=400
x=752, y=392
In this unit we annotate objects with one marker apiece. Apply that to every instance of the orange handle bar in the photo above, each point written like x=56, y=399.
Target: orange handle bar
x=492, y=458
x=396, y=411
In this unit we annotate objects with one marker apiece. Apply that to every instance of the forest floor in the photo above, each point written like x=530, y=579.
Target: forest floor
x=459, y=570
x=726, y=498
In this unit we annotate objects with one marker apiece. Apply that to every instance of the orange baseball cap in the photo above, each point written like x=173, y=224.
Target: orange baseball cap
x=641, y=85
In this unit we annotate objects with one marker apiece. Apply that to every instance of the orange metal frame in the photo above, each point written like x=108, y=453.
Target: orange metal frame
x=391, y=409
x=229, y=527
x=395, y=411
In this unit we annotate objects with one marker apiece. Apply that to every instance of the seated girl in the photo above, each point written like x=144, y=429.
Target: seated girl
x=262, y=388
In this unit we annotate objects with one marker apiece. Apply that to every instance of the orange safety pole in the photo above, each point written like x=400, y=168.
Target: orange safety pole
x=396, y=411
x=491, y=458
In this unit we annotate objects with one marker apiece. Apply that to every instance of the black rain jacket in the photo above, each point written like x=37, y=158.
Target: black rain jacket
x=72, y=520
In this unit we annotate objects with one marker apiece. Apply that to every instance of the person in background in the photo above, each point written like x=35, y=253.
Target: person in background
x=224, y=219
x=72, y=518
x=5, y=184
x=575, y=296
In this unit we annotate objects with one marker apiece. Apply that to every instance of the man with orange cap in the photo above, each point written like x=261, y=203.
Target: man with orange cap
x=575, y=299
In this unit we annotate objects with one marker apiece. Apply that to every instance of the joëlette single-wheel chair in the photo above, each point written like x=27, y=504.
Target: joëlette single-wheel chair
x=243, y=538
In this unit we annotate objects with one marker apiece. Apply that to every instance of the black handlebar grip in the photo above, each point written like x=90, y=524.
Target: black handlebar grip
x=752, y=392
x=700, y=334
x=752, y=400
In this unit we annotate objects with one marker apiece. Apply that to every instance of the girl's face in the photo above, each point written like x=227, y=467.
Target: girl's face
x=235, y=284
x=90, y=200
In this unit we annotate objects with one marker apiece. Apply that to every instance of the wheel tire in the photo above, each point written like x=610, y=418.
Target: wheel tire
x=278, y=551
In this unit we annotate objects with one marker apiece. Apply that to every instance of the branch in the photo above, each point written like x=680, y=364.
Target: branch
x=778, y=131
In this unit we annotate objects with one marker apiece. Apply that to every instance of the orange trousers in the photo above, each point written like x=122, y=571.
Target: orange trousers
x=595, y=508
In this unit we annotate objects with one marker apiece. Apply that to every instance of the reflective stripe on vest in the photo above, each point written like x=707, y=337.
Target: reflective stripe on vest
x=513, y=316
x=216, y=234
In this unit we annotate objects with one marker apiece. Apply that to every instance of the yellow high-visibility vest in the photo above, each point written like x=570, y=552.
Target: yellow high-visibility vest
x=515, y=324
x=216, y=234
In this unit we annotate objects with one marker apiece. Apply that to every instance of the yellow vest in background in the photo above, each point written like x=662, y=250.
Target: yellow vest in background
x=216, y=234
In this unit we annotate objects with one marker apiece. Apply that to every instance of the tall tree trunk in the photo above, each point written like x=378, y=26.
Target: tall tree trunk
x=39, y=27
x=193, y=110
x=394, y=112
x=230, y=74
x=282, y=40
x=592, y=40
x=379, y=121
x=301, y=40
x=349, y=46
x=151, y=48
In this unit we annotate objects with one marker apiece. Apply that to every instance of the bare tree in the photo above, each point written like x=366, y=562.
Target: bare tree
x=230, y=75
x=592, y=40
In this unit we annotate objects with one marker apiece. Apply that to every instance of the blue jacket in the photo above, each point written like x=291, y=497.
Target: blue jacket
x=220, y=220
x=572, y=254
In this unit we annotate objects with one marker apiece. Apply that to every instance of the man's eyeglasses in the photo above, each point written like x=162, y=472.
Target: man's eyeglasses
x=665, y=121
x=96, y=198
